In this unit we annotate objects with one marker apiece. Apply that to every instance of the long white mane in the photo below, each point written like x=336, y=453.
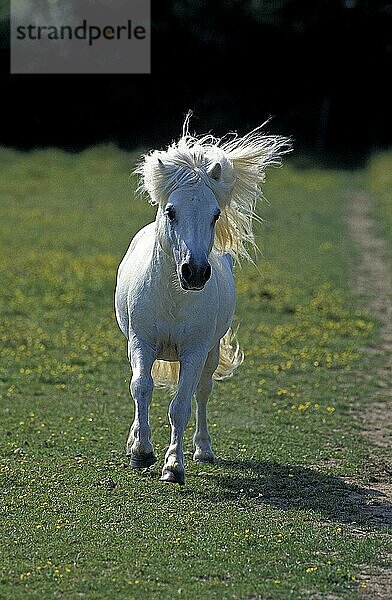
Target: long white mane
x=242, y=161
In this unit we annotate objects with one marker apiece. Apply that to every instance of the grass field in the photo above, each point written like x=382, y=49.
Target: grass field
x=285, y=511
x=379, y=181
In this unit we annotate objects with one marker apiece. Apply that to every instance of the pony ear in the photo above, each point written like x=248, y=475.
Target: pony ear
x=160, y=163
x=215, y=171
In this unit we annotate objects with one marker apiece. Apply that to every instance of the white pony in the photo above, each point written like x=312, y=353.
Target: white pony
x=175, y=294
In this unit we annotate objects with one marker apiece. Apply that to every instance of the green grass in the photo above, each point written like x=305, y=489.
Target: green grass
x=279, y=516
x=379, y=181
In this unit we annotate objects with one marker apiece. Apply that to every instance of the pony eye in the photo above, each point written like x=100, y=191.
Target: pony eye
x=216, y=217
x=170, y=212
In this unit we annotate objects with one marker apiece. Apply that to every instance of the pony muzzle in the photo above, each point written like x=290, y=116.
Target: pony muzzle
x=194, y=276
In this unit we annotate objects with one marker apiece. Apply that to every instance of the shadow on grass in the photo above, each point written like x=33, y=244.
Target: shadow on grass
x=295, y=487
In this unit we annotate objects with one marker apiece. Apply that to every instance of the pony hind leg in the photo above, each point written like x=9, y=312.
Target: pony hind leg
x=201, y=440
x=139, y=446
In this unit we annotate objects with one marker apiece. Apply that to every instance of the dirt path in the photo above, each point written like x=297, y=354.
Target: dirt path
x=373, y=283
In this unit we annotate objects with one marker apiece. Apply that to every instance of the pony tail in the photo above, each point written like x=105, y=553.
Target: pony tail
x=165, y=373
x=230, y=356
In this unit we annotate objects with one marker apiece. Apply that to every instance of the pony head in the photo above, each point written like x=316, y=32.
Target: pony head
x=206, y=190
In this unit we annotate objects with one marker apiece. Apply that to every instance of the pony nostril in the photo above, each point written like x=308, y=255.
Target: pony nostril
x=207, y=272
x=186, y=271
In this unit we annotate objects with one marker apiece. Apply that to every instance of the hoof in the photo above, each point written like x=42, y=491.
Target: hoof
x=204, y=457
x=173, y=477
x=142, y=461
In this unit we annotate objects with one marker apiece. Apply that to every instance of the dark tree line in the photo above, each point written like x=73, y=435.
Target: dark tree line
x=321, y=69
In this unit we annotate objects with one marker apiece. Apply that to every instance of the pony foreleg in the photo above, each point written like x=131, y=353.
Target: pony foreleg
x=139, y=446
x=179, y=413
x=201, y=439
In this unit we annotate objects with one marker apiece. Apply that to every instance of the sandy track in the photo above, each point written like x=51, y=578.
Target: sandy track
x=372, y=281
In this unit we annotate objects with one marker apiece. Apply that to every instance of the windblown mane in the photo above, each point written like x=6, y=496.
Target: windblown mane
x=242, y=172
